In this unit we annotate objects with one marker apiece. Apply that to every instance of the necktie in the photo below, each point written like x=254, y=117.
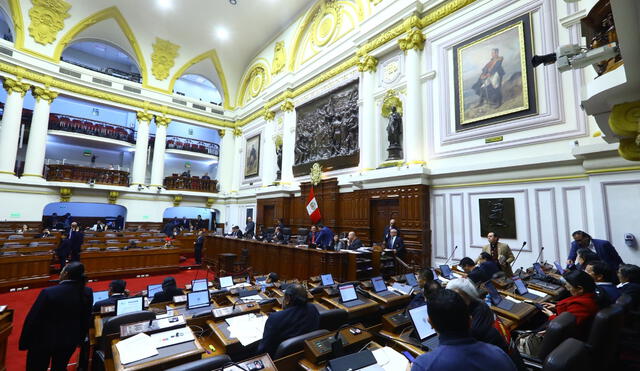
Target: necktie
x=313, y=237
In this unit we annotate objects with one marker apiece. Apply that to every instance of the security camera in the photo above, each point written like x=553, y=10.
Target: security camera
x=573, y=57
x=140, y=187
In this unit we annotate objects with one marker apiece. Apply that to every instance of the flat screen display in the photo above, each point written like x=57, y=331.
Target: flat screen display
x=128, y=305
x=198, y=299
x=538, y=269
x=100, y=295
x=199, y=285
x=559, y=267
x=446, y=270
x=411, y=279
x=153, y=289
x=378, y=284
x=327, y=279
x=226, y=282
x=420, y=323
x=347, y=292
x=493, y=293
x=520, y=286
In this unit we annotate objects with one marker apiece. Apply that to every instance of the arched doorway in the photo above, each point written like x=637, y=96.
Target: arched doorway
x=86, y=214
x=187, y=216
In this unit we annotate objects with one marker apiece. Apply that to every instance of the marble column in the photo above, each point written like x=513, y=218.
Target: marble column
x=139, y=172
x=238, y=158
x=288, y=141
x=157, y=166
x=225, y=160
x=269, y=156
x=37, y=148
x=413, y=45
x=10, y=129
x=368, y=153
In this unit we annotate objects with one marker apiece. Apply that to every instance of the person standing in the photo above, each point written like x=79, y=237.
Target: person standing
x=603, y=248
x=77, y=238
x=249, y=229
x=387, y=229
x=58, y=321
x=64, y=249
x=396, y=243
x=119, y=222
x=324, y=237
x=500, y=252
x=197, y=253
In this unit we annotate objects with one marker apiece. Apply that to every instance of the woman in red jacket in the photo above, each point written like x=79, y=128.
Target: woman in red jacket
x=582, y=304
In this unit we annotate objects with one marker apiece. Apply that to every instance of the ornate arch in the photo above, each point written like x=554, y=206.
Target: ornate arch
x=254, y=81
x=111, y=12
x=18, y=25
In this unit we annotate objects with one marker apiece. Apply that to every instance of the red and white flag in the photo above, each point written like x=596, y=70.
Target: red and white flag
x=312, y=207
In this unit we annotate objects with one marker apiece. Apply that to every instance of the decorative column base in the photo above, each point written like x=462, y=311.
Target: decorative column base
x=395, y=153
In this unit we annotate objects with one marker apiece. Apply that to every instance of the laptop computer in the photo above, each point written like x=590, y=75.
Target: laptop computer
x=153, y=289
x=199, y=285
x=327, y=279
x=522, y=290
x=198, y=299
x=100, y=295
x=226, y=281
x=411, y=279
x=380, y=288
x=426, y=333
x=496, y=298
x=559, y=267
x=348, y=295
x=446, y=272
x=128, y=305
x=547, y=285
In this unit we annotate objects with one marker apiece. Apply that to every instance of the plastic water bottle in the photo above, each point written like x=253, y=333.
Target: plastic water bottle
x=487, y=300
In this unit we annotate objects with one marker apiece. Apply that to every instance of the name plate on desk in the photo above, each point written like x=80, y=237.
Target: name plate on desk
x=226, y=312
x=319, y=348
x=151, y=327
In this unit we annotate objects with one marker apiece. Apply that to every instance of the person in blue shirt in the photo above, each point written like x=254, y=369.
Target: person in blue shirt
x=449, y=316
x=325, y=236
x=603, y=248
x=483, y=272
x=429, y=287
x=606, y=292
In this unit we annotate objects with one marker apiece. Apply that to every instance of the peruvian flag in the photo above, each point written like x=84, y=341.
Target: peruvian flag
x=312, y=207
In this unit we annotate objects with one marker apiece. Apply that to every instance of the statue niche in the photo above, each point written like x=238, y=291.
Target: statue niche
x=394, y=135
x=327, y=131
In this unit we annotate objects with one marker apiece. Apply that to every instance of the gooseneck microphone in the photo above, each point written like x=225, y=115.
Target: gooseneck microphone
x=451, y=256
x=539, y=254
x=524, y=243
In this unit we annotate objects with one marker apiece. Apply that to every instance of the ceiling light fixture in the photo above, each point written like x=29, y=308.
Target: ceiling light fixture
x=165, y=4
x=222, y=33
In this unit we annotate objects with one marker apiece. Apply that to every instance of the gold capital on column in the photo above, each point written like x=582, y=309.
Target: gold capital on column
x=367, y=63
x=113, y=197
x=163, y=121
x=268, y=114
x=144, y=116
x=222, y=132
x=624, y=120
x=15, y=86
x=415, y=40
x=44, y=94
x=237, y=132
x=65, y=194
x=287, y=106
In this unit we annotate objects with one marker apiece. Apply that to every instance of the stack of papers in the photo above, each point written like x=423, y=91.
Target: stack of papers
x=247, y=328
x=390, y=360
x=136, y=348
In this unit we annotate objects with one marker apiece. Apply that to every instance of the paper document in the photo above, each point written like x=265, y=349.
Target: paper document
x=247, y=328
x=252, y=298
x=536, y=292
x=136, y=348
x=390, y=360
x=512, y=299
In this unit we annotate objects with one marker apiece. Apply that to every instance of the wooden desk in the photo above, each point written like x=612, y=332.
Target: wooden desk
x=368, y=307
x=519, y=313
x=396, y=321
x=24, y=270
x=111, y=263
x=6, y=326
x=264, y=358
x=401, y=342
x=512, y=292
x=391, y=301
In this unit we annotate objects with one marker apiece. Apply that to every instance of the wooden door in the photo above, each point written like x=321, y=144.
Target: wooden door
x=268, y=215
x=381, y=212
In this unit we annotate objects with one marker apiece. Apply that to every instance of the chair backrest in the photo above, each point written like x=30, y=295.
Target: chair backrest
x=605, y=330
x=571, y=355
x=112, y=326
x=560, y=329
x=625, y=301
x=296, y=344
x=206, y=364
x=332, y=319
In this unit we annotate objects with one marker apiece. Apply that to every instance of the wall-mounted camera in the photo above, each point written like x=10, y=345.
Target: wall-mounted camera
x=574, y=56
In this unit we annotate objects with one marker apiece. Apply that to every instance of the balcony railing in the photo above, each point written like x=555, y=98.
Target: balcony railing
x=194, y=183
x=91, y=127
x=84, y=174
x=192, y=145
x=134, y=77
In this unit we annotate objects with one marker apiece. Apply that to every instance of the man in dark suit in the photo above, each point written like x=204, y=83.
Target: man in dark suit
x=199, y=223
x=603, y=248
x=58, y=321
x=169, y=290
x=297, y=318
x=197, y=253
x=119, y=222
x=249, y=229
x=236, y=232
x=312, y=236
x=387, y=229
x=354, y=242
x=185, y=222
x=396, y=243
x=117, y=290
x=629, y=276
x=168, y=229
x=77, y=238
x=325, y=236
x=482, y=272
x=64, y=249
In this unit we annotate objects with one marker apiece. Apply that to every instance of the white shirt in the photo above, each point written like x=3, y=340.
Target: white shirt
x=591, y=247
x=393, y=240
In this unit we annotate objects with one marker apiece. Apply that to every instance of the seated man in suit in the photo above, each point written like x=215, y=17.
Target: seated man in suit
x=117, y=290
x=482, y=272
x=605, y=250
x=278, y=236
x=629, y=276
x=236, y=232
x=99, y=226
x=298, y=317
x=272, y=278
x=606, y=292
x=169, y=290
x=324, y=237
x=312, y=236
x=429, y=287
x=396, y=243
x=353, y=242
x=449, y=316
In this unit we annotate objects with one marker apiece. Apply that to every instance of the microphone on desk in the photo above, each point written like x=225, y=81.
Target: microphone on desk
x=524, y=243
x=451, y=256
x=233, y=308
x=540, y=254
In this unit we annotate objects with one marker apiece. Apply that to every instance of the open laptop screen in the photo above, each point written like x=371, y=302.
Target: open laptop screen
x=347, y=292
x=538, y=269
x=197, y=299
x=226, y=282
x=327, y=279
x=153, y=289
x=446, y=270
x=199, y=285
x=493, y=293
x=378, y=284
x=100, y=295
x=419, y=319
x=411, y=279
x=559, y=267
x=520, y=286
x=128, y=305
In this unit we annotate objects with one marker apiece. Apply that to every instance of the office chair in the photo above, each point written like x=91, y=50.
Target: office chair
x=332, y=319
x=205, y=364
x=296, y=344
x=571, y=355
x=604, y=336
x=560, y=329
x=111, y=327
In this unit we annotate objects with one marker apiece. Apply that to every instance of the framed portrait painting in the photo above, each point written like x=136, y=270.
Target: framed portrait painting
x=252, y=157
x=494, y=78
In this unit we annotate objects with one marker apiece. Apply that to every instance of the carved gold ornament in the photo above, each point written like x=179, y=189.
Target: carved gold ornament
x=415, y=40
x=177, y=199
x=113, y=196
x=279, y=58
x=162, y=121
x=221, y=132
x=163, y=58
x=624, y=120
x=15, y=86
x=316, y=173
x=268, y=114
x=327, y=21
x=367, y=63
x=237, y=132
x=209, y=202
x=287, y=106
x=65, y=194
x=44, y=94
x=47, y=19
x=391, y=100
x=144, y=116
x=257, y=81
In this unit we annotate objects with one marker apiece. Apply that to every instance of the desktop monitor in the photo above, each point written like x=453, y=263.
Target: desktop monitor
x=419, y=318
x=493, y=293
x=198, y=299
x=378, y=284
x=538, y=269
x=411, y=279
x=327, y=279
x=559, y=267
x=100, y=295
x=347, y=292
x=226, y=281
x=128, y=305
x=153, y=289
x=199, y=285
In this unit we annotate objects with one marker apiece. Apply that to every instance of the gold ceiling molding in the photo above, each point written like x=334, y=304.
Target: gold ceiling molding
x=103, y=95
x=279, y=58
x=47, y=19
x=163, y=58
x=253, y=82
x=213, y=56
x=111, y=12
x=624, y=120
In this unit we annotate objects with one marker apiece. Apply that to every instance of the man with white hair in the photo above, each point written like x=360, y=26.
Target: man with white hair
x=354, y=242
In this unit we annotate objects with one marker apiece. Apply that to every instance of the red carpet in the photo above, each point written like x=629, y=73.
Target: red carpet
x=21, y=302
